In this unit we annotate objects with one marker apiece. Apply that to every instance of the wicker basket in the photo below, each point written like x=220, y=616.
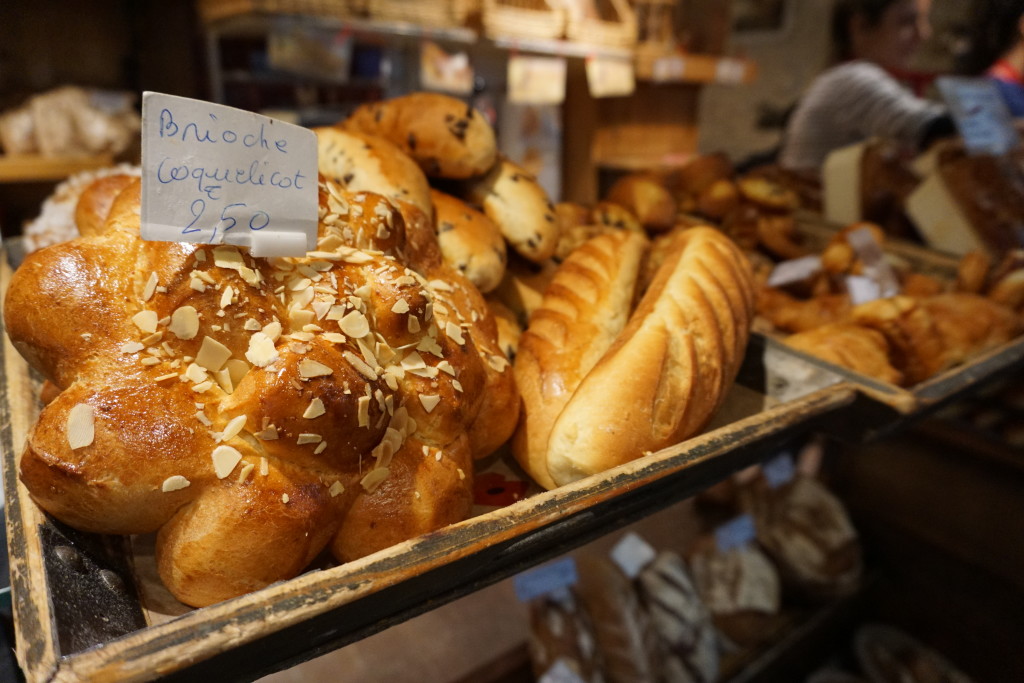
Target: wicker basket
x=523, y=19
x=615, y=25
x=215, y=10
x=435, y=13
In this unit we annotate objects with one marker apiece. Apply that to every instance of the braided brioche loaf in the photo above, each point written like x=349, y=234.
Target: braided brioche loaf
x=251, y=411
x=603, y=383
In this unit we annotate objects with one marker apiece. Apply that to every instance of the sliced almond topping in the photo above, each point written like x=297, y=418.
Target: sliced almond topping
x=306, y=438
x=413, y=324
x=441, y=286
x=358, y=258
x=224, y=460
x=264, y=466
x=335, y=337
x=445, y=366
x=321, y=309
x=175, y=483
x=262, y=351
x=247, y=469
x=320, y=448
x=462, y=475
x=151, y=283
x=355, y=324
x=273, y=330
x=184, y=323
x=315, y=409
x=454, y=332
x=374, y=479
x=401, y=306
x=223, y=377
x=81, y=426
x=337, y=488
x=197, y=284
x=252, y=325
x=360, y=365
x=233, y=427
x=203, y=387
x=196, y=373
x=226, y=296
x=212, y=354
x=364, y=291
x=150, y=361
x=201, y=416
x=237, y=368
x=285, y=498
x=152, y=339
x=497, y=363
x=145, y=321
x=162, y=378
x=311, y=368
x=363, y=409
x=299, y=317
x=268, y=433
x=336, y=312
x=429, y=402
x=132, y=347
x=413, y=361
x=299, y=283
x=457, y=384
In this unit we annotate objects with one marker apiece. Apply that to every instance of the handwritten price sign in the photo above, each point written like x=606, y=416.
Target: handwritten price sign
x=217, y=175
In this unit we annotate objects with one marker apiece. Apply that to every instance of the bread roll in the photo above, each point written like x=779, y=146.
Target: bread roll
x=256, y=411
x=858, y=348
x=523, y=286
x=805, y=529
x=470, y=242
x=626, y=640
x=560, y=629
x=94, y=204
x=668, y=371
x=361, y=162
x=740, y=587
x=516, y=202
x=444, y=135
x=683, y=624
x=647, y=199
x=584, y=309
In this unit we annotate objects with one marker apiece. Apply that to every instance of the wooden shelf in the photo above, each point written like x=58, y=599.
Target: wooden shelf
x=693, y=68
x=30, y=169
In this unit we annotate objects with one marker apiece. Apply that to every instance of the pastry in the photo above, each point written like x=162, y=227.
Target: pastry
x=646, y=198
x=470, y=242
x=857, y=348
x=444, y=135
x=253, y=412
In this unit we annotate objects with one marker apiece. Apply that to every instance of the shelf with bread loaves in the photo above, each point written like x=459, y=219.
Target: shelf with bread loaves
x=655, y=126
x=235, y=535
x=912, y=328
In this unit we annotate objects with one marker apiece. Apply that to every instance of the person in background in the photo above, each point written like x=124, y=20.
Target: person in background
x=998, y=45
x=858, y=98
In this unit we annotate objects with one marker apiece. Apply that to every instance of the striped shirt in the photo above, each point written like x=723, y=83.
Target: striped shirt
x=850, y=103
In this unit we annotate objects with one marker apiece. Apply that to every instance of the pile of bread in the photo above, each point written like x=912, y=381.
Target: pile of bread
x=928, y=326
x=254, y=412
x=925, y=327
x=646, y=615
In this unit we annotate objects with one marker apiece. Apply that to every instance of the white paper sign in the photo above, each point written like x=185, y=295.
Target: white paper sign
x=668, y=68
x=794, y=270
x=876, y=268
x=730, y=71
x=536, y=80
x=607, y=77
x=632, y=554
x=862, y=289
x=981, y=114
x=214, y=174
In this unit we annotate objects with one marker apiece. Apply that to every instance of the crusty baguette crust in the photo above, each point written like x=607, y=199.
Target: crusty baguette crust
x=669, y=369
x=584, y=309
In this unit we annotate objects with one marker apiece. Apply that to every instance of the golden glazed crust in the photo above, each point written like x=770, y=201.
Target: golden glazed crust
x=255, y=411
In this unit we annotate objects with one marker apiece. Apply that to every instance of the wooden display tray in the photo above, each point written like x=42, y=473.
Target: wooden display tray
x=35, y=168
x=881, y=407
x=78, y=614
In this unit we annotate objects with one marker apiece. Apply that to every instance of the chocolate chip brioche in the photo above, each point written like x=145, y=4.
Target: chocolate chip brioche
x=444, y=135
x=255, y=411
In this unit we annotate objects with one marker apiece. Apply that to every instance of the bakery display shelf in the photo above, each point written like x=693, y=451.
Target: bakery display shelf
x=799, y=637
x=676, y=67
x=35, y=168
x=883, y=408
x=255, y=24
x=85, y=611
